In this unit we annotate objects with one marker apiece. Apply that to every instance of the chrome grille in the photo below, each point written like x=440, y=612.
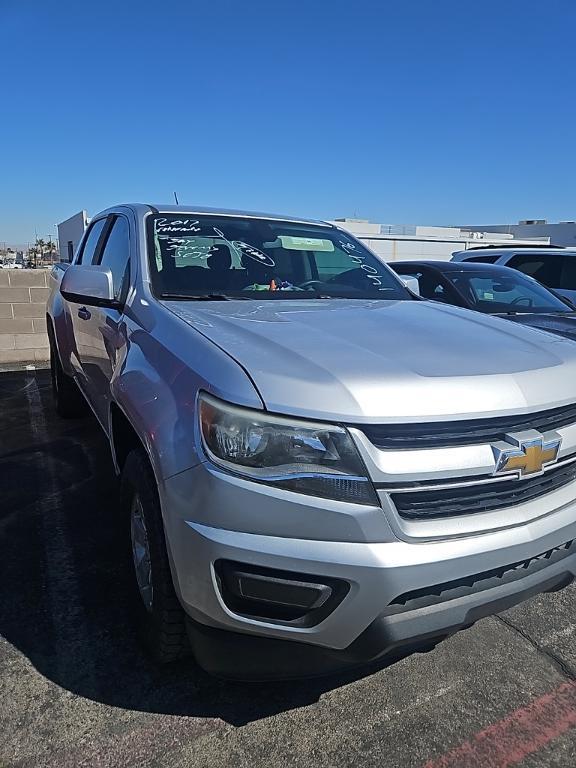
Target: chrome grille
x=444, y=434
x=430, y=503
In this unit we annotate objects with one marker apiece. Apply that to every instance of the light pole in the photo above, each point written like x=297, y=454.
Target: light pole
x=51, y=247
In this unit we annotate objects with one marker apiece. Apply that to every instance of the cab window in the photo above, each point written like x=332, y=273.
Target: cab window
x=484, y=259
x=542, y=267
x=568, y=276
x=115, y=256
x=432, y=286
x=90, y=244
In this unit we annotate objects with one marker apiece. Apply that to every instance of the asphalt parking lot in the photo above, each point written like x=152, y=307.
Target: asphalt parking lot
x=78, y=691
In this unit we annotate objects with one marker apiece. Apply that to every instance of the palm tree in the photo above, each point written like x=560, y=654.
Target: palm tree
x=40, y=244
x=51, y=249
x=33, y=252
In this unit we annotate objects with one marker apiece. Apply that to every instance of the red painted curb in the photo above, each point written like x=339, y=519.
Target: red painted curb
x=519, y=734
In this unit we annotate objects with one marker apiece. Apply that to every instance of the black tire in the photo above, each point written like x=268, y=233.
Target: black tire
x=162, y=623
x=70, y=403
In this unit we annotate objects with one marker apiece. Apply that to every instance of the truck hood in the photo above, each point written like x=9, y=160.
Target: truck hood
x=363, y=361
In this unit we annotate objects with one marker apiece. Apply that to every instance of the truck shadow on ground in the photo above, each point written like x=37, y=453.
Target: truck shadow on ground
x=65, y=596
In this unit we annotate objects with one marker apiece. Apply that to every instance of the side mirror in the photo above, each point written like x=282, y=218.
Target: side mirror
x=91, y=285
x=411, y=282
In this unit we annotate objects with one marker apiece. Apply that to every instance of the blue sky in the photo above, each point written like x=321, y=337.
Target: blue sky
x=414, y=111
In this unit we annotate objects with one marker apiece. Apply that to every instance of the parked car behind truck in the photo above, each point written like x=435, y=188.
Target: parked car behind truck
x=317, y=468
x=491, y=289
x=554, y=266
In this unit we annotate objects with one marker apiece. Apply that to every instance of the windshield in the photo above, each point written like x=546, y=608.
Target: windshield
x=505, y=290
x=197, y=256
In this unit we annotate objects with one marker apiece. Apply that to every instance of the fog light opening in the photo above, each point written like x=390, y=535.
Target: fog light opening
x=281, y=597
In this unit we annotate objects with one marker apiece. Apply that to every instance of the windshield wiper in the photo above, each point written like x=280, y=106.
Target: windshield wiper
x=513, y=312
x=516, y=312
x=559, y=312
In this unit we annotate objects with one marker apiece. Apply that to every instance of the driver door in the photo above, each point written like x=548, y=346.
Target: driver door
x=103, y=329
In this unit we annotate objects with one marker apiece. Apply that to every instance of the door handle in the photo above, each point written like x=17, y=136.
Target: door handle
x=84, y=314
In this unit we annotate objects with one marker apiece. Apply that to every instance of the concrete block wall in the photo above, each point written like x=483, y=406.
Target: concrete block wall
x=23, y=296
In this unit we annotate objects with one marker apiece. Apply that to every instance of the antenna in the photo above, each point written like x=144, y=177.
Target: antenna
x=176, y=198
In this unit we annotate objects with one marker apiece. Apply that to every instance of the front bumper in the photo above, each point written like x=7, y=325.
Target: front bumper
x=402, y=593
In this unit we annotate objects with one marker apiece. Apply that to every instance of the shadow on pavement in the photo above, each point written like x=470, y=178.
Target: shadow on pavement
x=64, y=600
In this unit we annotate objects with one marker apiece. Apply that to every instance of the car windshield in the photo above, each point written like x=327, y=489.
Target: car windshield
x=505, y=290
x=219, y=257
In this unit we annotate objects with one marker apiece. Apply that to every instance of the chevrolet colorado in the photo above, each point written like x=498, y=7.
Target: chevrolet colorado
x=317, y=468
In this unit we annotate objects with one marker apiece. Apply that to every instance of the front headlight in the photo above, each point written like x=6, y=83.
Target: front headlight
x=316, y=459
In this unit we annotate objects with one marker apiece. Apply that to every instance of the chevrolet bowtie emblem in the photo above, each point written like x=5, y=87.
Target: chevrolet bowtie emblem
x=528, y=457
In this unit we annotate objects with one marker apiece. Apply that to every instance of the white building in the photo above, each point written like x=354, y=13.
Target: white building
x=560, y=233
x=70, y=233
x=402, y=243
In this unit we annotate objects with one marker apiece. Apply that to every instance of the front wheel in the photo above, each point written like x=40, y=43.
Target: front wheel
x=160, y=617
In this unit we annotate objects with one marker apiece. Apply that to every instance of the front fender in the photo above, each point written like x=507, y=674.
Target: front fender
x=59, y=324
x=156, y=389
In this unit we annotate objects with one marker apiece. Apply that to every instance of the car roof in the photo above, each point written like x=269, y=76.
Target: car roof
x=450, y=266
x=509, y=251
x=500, y=247
x=187, y=210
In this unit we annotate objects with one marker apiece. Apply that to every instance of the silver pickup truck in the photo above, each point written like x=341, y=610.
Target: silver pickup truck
x=317, y=468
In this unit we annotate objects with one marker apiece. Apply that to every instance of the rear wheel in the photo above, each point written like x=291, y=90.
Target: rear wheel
x=69, y=401
x=159, y=615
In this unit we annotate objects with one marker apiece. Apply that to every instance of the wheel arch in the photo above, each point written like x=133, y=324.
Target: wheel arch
x=124, y=438
x=52, y=336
